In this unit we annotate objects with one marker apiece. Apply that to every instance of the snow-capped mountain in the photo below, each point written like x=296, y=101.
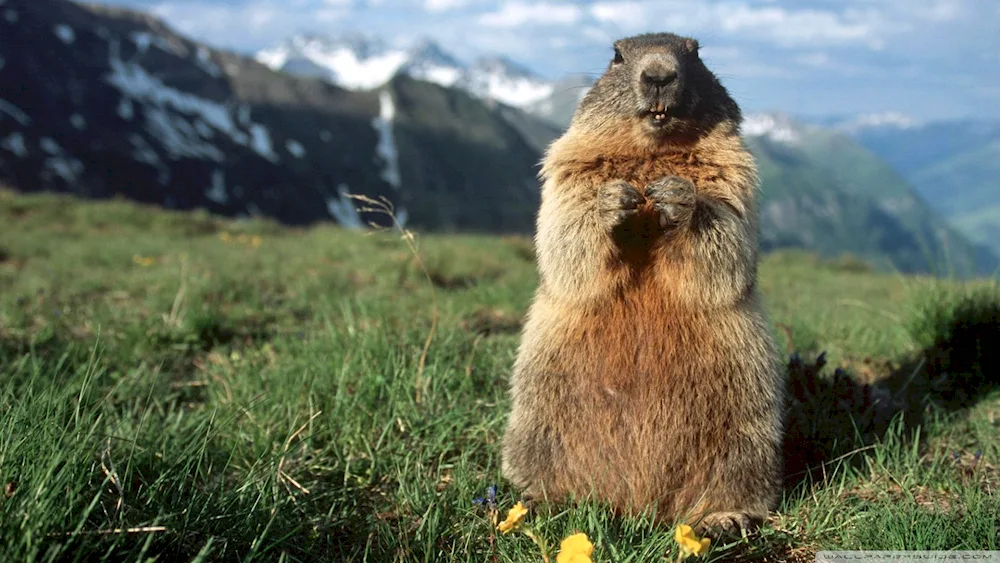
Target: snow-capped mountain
x=425, y=60
x=360, y=62
x=110, y=101
x=501, y=79
x=352, y=61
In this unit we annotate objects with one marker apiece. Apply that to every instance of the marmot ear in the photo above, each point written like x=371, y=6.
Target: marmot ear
x=692, y=45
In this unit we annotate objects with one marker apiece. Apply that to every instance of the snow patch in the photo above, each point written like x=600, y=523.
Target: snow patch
x=386, y=147
x=402, y=216
x=125, y=109
x=243, y=115
x=295, y=148
x=144, y=152
x=178, y=136
x=347, y=67
x=67, y=168
x=513, y=91
x=342, y=209
x=217, y=192
x=15, y=112
x=325, y=136
x=358, y=74
x=65, y=33
x=446, y=76
x=360, y=63
x=203, y=129
x=15, y=144
x=273, y=58
x=59, y=164
x=10, y=16
x=78, y=122
x=50, y=146
x=164, y=102
x=204, y=59
x=261, y=142
x=144, y=39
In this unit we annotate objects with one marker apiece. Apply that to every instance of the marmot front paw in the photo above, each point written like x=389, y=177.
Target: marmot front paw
x=673, y=198
x=728, y=524
x=616, y=202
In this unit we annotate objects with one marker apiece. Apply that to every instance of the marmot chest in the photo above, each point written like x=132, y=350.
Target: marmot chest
x=641, y=171
x=636, y=340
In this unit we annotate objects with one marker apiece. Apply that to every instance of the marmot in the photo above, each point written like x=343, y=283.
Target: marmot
x=647, y=374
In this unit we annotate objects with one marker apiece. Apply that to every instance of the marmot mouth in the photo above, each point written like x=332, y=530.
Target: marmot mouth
x=657, y=113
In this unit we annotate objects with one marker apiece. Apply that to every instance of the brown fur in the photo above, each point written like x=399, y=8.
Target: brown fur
x=647, y=375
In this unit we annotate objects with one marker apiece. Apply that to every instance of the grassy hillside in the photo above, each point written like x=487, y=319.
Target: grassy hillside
x=828, y=193
x=966, y=187
x=954, y=165
x=199, y=389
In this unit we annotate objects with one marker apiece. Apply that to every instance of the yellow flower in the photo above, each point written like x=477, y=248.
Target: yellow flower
x=226, y=237
x=514, y=518
x=575, y=549
x=255, y=241
x=689, y=542
x=143, y=261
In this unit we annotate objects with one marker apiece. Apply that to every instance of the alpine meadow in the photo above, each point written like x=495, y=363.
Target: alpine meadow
x=181, y=387
x=270, y=289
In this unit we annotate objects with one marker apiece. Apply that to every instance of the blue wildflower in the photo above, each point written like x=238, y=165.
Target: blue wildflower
x=490, y=500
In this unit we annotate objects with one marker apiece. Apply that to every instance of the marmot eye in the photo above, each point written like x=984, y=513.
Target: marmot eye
x=619, y=59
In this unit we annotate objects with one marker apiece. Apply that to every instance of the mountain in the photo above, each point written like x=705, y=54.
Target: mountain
x=359, y=62
x=110, y=101
x=103, y=102
x=559, y=106
x=954, y=164
x=823, y=190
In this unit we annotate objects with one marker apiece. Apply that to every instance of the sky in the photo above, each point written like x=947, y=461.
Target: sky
x=931, y=59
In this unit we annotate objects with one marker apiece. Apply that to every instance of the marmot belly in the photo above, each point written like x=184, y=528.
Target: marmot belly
x=650, y=398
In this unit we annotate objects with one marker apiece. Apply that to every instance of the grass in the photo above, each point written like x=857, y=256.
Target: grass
x=172, y=387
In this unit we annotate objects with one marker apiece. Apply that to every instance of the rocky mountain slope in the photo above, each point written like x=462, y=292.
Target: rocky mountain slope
x=100, y=101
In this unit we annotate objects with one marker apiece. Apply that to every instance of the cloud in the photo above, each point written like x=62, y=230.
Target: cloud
x=517, y=13
x=445, y=5
x=249, y=26
x=833, y=56
x=770, y=22
x=940, y=10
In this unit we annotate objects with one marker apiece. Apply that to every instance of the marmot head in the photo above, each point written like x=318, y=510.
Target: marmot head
x=658, y=82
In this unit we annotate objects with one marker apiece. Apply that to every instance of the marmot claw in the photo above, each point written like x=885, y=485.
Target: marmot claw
x=617, y=201
x=673, y=198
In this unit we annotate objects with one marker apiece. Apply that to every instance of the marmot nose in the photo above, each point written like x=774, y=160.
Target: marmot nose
x=658, y=76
